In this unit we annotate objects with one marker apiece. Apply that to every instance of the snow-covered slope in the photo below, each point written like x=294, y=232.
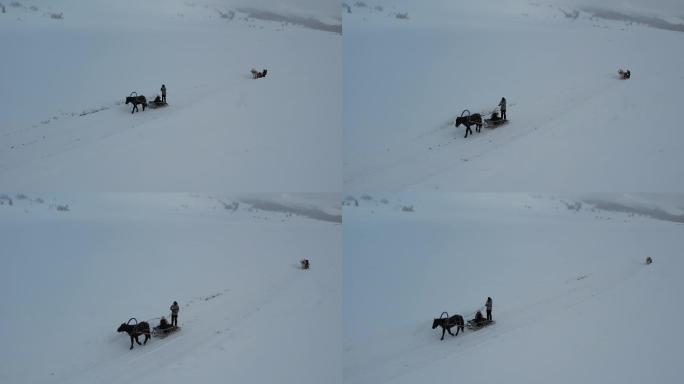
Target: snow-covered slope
x=63, y=124
x=573, y=299
x=572, y=122
x=76, y=266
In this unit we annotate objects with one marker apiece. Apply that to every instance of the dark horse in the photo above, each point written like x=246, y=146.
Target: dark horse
x=474, y=119
x=136, y=100
x=448, y=322
x=135, y=330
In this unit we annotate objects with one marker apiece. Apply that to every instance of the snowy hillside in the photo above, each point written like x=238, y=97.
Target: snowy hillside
x=68, y=66
x=76, y=266
x=573, y=299
x=410, y=68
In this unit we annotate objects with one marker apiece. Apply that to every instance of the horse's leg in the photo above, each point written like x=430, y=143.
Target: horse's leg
x=147, y=337
x=443, y=333
x=131, y=344
x=449, y=330
x=137, y=341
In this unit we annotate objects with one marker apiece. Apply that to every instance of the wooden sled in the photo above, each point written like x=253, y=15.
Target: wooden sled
x=475, y=326
x=494, y=121
x=163, y=332
x=156, y=104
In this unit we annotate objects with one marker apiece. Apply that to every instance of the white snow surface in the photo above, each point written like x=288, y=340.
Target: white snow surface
x=63, y=122
x=248, y=313
x=574, y=126
x=574, y=301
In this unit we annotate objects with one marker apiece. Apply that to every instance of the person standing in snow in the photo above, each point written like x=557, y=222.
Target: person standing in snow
x=502, y=105
x=174, y=313
x=163, y=91
x=488, y=304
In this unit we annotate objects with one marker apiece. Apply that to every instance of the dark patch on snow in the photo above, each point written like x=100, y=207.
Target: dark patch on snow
x=573, y=206
x=5, y=198
x=230, y=207
x=652, y=212
x=212, y=296
x=93, y=110
x=349, y=201
x=230, y=15
x=407, y=208
x=308, y=22
x=651, y=21
x=310, y=212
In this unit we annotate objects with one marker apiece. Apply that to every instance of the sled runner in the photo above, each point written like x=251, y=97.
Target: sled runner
x=156, y=104
x=474, y=325
x=495, y=120
x=161, y=333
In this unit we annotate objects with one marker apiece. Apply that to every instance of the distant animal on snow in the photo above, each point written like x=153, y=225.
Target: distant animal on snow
x=624, y=74
x=135, y=100
x=474, y=119
x=135, y=330
x=449, y=322
x=258, y=75
x=304, y=263
x=649, y=260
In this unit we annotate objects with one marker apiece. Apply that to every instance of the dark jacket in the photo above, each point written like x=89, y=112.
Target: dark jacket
x=489, y=304
x=502, y=104
x=163, y=90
